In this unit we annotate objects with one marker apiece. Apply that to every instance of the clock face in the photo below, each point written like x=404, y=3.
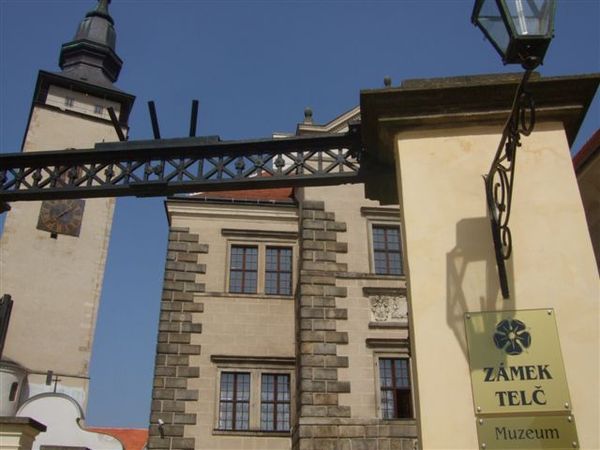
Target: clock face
x=61, y=216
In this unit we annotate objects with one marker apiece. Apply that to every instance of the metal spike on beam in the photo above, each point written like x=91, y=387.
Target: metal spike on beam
x=154, y=119
x=194, y=118
x=115, y=122
x=6, y=304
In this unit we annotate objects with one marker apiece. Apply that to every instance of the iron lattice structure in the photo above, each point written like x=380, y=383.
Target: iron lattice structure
x=170, y=166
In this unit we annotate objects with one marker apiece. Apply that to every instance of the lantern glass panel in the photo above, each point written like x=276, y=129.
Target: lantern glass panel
x=530, y=17
x=490, y=19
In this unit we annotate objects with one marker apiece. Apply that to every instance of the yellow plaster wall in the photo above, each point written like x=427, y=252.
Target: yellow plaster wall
x=452, y=268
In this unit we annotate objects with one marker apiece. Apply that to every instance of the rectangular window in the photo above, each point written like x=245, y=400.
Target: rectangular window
x=278, y=271
x=243, y=269
x=98, y=109
x=387, y=250
x=234, y=401
x=394, y=382
x=275, y=403
x=69, y=101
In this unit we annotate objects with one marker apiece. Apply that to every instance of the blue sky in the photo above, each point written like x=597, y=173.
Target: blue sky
x=254, y=66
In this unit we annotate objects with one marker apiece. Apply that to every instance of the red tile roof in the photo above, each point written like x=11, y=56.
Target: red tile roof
x=253, y=194
x=131, y=438
x=588, y=151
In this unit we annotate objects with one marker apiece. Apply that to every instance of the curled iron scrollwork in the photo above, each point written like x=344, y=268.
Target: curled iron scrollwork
x=500, y=178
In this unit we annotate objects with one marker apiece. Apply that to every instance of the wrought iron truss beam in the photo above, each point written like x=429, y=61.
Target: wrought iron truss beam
x=170, y=166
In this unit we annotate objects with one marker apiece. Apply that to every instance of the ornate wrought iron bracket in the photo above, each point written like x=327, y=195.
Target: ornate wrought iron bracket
x=169, y=166
x=499, y=180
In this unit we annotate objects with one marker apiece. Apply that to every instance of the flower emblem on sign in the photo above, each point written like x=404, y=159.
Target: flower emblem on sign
x=511, y=336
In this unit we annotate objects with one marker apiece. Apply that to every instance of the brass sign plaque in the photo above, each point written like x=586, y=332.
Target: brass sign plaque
x=516, y=363
x=528, y=432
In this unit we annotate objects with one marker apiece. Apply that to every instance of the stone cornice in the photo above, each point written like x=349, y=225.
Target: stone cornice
x=463, y=101
x=287, y=361
x=198, y=209
x=264, y=234
x=373, y=211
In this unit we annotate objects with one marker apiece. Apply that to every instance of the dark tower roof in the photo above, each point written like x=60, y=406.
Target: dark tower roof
x=91, y=56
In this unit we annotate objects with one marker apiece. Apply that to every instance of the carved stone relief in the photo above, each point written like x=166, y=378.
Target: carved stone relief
x=389, y=308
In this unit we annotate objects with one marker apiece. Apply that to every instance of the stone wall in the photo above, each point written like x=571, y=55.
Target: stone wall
x=323, y=422
x=176, y=326
x=358, y=434
x=319, y=386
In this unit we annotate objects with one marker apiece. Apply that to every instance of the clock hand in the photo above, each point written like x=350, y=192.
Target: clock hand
x=64, y=212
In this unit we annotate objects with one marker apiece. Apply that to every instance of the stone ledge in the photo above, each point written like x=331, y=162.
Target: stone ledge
x=352, y=421
x=379, y=212
x=288, y=235
x=22, y=421
x=179, y=229
x=62, y=447
x=395, y=291
x=371, y=276
x=265, y=297
x=389, y=325
x=256, y=433
x=387, y=343
x=288, y=361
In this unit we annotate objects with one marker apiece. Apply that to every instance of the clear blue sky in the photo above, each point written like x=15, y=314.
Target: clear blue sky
x=254, y=66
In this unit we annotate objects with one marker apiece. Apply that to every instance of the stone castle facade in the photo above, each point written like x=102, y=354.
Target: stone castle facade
x=303, y=289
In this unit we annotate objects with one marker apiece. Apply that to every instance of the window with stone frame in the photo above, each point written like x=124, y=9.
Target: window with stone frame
x=278, y=271
x=387, y=250
x=263, y=400
x=260, y=266
x=275, y=402
x=395, y=388
x=234, y=401
x=243, y=269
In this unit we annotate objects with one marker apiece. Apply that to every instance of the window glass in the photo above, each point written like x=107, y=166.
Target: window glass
x=243, y=269
x=275, y=402
x=278, y=271
x=234, y=401
x=387, y=250
x=394, y=383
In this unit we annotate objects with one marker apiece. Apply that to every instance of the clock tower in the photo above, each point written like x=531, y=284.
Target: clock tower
x=53, y=253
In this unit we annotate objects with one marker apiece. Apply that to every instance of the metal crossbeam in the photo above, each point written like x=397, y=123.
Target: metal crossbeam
x=169, y=166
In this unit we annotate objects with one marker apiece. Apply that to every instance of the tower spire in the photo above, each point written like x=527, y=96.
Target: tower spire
x=101, y=11
x=91, y=55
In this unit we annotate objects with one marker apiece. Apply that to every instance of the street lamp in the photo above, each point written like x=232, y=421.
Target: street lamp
x=520, y=30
